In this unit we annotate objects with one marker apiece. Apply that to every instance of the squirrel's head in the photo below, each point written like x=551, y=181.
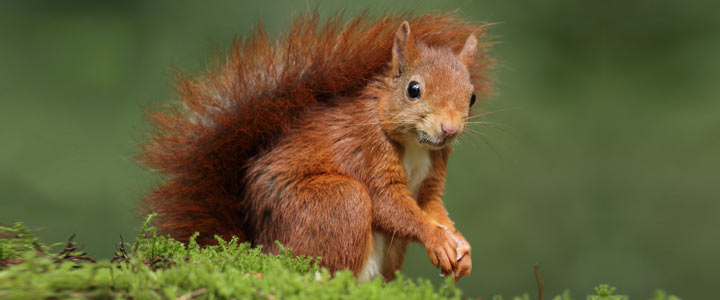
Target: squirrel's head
x=428, y=93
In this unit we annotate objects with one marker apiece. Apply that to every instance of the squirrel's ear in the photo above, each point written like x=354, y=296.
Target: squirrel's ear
x=467, y=54
x=400, y=48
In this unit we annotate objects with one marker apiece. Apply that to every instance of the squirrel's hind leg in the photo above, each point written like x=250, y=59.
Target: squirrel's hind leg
x=329, y=216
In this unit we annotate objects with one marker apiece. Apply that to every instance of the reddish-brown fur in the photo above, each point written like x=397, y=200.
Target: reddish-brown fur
x=301, y=140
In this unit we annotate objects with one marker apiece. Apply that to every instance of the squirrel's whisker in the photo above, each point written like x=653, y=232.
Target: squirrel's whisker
x=487, y=113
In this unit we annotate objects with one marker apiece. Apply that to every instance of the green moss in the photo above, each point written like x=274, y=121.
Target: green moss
x=158, y=267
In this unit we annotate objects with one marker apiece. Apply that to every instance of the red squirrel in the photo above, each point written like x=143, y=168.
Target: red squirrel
x=332, y=140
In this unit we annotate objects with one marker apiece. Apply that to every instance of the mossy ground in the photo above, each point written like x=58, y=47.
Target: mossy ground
x=158, y=267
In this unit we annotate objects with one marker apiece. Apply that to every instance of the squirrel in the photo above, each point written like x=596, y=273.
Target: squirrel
x=332, y=140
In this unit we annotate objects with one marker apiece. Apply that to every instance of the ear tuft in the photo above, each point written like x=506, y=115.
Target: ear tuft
x=467, y=54
x=399, y=49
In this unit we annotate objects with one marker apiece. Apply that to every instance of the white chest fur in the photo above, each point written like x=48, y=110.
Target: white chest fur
x=417, y=164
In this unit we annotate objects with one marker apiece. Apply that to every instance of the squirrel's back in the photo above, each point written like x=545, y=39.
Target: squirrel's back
x=244, y=106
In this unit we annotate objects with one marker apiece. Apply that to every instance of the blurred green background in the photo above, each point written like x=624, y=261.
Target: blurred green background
x=606, y=168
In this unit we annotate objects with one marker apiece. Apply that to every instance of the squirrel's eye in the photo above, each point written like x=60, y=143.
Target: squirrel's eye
x=413, y=90
x=472, y=99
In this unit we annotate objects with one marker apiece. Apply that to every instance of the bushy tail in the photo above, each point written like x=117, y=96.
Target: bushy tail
x=239, y=109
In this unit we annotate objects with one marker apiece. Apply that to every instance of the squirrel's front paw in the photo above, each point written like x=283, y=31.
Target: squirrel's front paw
x=442, y=249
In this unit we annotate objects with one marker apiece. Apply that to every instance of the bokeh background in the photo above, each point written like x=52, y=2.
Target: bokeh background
x=604, y=167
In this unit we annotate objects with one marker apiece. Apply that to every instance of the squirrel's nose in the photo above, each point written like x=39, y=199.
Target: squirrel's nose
x=448, y=129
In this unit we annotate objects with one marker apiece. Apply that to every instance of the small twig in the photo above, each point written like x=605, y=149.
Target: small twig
x=69, y=253
x=539, y=282
x=193, y=294
x=121, y=254
x=158, y=263
x=7, y=262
